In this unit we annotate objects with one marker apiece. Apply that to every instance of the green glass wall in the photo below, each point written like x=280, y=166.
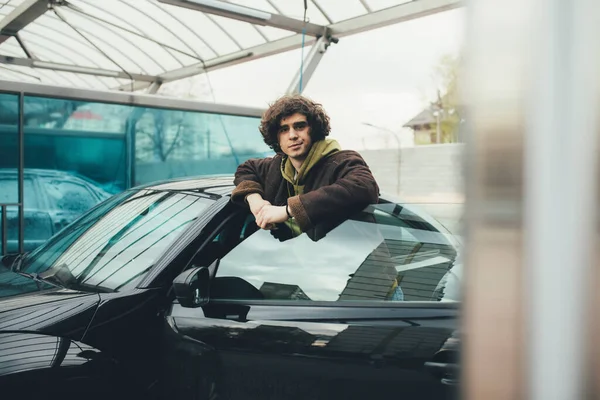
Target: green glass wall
x=172, y=143
x=78, y=152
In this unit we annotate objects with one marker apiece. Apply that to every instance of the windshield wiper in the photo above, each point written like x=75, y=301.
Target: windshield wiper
x=39, y=279
x=18, y=261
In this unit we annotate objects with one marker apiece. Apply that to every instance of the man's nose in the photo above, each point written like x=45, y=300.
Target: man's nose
x=293, y=133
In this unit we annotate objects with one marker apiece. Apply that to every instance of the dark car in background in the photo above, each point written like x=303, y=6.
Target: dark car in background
x=52, y=200
x=171, y=291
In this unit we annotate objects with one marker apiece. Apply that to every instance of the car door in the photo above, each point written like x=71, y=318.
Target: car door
x=365, y=312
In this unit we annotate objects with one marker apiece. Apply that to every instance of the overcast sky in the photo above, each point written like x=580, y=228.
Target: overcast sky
x=383, y=77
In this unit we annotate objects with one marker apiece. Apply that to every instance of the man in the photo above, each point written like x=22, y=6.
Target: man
x=311, y=185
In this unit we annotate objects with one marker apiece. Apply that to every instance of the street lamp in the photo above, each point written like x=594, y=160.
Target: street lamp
x=399, y=151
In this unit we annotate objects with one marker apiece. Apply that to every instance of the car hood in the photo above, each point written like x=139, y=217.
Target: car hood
x=48, y=309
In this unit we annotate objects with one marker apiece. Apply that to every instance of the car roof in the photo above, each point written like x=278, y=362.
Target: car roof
x=39, y=172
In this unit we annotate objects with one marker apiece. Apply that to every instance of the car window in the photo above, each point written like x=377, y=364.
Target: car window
x=9, y=193
x=385, y=253
x=68, y=196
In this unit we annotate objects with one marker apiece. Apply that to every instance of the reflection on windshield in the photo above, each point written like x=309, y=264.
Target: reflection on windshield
x=116, y=244
x=388, y=253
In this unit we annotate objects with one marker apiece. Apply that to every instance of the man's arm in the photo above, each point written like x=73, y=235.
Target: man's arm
x=354, y=189
x=249, y=180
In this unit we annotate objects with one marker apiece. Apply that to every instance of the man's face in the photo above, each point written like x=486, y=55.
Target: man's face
x=294, y=136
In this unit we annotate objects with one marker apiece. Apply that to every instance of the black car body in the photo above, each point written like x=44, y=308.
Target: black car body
x=171, y=291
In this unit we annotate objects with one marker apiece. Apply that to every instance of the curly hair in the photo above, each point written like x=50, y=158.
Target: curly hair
x=287, y=106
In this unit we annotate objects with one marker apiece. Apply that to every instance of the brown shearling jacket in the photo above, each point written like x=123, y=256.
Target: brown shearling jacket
x=338, y=186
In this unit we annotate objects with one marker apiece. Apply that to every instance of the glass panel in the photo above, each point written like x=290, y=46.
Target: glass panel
x=242, y=32
x=377, y=5
x=338, y=12
x=119, y=42
x=172, y=143
x=67, y=196
x=190, y=34
x=76, y=43
x=41, y=44
x=75, y=157
x=168, y=30
x=9, y=133
x=17, y=74
x=8, y=188
x=205, y=27
x=101, y=34
x=295, y=9
x=387, y=253
x=274, y=33
x=280, y=68
x=76, y=153
x=262, y=5
x=115, y=245
x=14, y=47
x=86, y=139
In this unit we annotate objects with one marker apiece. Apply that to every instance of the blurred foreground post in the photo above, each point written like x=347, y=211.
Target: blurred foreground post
x=531, y=88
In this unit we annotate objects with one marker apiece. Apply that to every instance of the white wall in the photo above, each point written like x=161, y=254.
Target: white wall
x=431, y=173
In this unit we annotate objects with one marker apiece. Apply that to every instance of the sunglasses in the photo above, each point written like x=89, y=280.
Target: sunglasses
x=298, y=126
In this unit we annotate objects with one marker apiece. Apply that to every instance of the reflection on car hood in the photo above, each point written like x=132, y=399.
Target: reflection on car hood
x=50, y=309
x=13, y=284
x=21, y=352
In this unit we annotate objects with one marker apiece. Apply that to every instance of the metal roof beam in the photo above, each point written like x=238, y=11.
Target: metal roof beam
x=251, y=15
x=27, y=12
x=309, y=65
x=393, y=15
x=27, y=62
x=378, y=19
x=253, y=53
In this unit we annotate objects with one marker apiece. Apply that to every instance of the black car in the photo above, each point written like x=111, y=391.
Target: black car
x=172, y=291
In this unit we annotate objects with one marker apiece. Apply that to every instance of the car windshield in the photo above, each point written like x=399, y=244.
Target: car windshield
x=114, y=245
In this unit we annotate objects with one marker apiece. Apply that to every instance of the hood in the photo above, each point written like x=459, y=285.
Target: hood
x=48, y=309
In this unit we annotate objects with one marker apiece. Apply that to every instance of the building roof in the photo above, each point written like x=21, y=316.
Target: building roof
x=135, y=44
x=424, y=117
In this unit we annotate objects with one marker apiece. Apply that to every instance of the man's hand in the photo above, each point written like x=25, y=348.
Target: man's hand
x=256, y=203
x=270, y=215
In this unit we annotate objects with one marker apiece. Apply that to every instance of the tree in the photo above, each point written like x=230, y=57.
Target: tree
x=447, y=105
x=167, y=134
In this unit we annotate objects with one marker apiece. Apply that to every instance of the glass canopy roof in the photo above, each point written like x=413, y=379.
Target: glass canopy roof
x=130, y=44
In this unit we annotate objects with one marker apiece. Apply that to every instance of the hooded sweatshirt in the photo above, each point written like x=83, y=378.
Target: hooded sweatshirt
x=318, y=151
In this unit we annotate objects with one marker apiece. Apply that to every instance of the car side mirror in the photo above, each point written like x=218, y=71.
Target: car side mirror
x=192, y=287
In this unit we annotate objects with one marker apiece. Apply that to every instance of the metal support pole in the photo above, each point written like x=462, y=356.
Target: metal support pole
x=154, y=87
x=21, y=171
x=4, y=229
x=311, y=62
